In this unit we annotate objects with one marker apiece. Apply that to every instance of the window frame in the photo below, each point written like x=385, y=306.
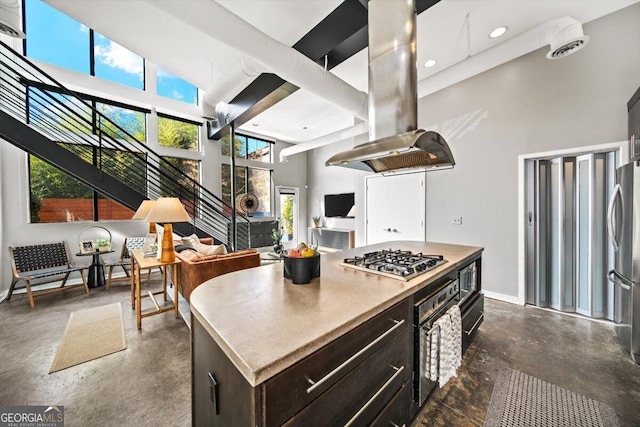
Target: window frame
x=91, y=54
x=246, y=164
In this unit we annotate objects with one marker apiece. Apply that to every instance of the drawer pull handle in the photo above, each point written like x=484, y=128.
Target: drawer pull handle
x=475, y=325
x=324, y=379
x=370, y=401
x=213, y=392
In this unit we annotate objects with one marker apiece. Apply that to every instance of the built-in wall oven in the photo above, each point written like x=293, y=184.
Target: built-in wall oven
x=429, y=307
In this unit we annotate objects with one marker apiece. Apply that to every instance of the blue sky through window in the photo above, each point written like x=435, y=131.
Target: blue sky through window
x=116, y=63
x=55, y=38
x=174, y=87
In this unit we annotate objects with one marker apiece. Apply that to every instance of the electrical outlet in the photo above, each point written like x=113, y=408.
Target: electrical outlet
x=457, y=220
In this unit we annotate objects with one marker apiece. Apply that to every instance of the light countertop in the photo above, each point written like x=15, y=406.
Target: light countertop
x=265, y=323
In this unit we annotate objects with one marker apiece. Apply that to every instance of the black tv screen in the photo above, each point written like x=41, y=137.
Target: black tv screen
x=338, y=205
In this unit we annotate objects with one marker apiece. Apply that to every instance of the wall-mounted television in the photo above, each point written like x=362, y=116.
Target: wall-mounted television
x=338, y=205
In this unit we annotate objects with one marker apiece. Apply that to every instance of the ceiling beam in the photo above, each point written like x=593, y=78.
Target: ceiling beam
x=340, y=35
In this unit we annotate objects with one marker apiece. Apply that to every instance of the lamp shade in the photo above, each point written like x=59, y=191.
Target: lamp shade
x=167, y=209
x=144, y=209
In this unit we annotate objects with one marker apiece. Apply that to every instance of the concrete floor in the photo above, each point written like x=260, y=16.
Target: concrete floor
x=582, y=356
x=148, y=384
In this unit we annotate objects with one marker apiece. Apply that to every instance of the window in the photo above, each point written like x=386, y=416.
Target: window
x=59, y=113
x=259, y=150
x=58, y=197
x=185, y=187
x=116, y=63
x=55, y=38
x=130, y=121
x=249, y=151
x=176, y=88
x=249, y=148
x=249, y=180
x=55, y=196
x=176, y=133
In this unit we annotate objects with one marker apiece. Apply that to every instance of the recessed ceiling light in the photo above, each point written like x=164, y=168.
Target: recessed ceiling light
x=304, y=128
x=430, y=63
x=255, y=124
x=498, y=32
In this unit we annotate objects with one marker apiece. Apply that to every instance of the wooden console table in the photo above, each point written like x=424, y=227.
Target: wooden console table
x=139, y=262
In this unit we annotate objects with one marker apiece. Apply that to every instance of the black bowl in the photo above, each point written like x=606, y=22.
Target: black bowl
x=301, y=270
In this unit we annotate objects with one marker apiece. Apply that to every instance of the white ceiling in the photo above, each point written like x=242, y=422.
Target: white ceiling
x=199, y=58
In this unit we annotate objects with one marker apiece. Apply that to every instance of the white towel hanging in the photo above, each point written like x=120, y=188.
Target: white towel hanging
x=456, y=330
x=433, y=353
x=446, y=350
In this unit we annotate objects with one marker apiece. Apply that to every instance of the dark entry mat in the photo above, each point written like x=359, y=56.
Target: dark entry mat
x=520, y=400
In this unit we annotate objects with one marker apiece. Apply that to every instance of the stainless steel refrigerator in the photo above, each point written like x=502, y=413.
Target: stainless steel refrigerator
x=624, y=232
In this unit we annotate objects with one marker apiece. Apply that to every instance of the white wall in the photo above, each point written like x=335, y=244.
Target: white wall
x=334, y=180
x=528, y=105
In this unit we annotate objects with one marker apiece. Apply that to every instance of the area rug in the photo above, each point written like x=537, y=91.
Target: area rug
x=520, y=400
x=90, y=334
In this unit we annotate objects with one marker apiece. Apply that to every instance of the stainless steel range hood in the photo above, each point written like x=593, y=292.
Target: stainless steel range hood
x=396, y=143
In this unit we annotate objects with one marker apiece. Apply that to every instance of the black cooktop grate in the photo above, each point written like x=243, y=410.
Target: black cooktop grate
x=403, y=264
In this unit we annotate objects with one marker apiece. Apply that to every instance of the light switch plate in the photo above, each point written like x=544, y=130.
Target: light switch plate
x=457, y=220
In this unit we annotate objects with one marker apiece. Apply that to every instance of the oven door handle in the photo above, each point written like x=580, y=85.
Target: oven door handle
x=428, y=324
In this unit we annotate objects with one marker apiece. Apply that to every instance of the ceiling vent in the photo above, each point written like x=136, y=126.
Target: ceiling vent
x=10, y=18
x=565, y=37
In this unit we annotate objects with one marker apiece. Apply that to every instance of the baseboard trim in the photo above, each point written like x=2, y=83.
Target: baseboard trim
x=503, y=297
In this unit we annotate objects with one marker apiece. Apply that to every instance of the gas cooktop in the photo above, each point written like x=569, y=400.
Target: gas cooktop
x=397, y=264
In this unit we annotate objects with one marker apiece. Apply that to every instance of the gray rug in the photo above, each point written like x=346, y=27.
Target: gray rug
x=520, y=400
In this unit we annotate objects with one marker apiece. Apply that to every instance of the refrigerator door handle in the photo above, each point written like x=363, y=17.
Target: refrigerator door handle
x=618, y=278
x=617, y=192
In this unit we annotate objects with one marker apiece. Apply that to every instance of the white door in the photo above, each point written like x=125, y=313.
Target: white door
x=395, y=207
x=288, y=214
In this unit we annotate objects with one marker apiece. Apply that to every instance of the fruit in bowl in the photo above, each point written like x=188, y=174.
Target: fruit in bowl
x=307, y=252
x=294, y=253
x=301, y=264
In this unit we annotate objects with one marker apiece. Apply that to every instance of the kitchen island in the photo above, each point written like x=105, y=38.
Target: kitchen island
x=268, y=352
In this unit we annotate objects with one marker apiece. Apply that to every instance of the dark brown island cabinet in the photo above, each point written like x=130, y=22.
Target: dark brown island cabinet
x=366, y=377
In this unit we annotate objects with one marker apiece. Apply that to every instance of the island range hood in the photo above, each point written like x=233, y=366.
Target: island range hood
x=397, y=143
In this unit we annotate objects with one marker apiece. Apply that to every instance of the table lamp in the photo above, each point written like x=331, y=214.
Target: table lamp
x=142, y=212
x=167, y=210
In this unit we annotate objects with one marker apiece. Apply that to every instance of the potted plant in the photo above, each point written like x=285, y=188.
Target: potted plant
x=276, y=233
x=103, y=245
x=316, y=221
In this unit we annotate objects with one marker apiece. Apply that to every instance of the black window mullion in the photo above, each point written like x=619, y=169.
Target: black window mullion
x=178, y=119
x=92, y=59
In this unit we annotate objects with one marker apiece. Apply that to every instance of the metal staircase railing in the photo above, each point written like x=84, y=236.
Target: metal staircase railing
x=37, y=100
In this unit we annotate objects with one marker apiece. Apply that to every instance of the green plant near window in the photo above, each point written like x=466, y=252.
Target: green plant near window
x=287, y=215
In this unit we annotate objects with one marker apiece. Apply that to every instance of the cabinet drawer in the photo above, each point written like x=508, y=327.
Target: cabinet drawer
x=258, y=240
x=471, y=320
x=398, y=411
x=364, y=392
x=288, y=392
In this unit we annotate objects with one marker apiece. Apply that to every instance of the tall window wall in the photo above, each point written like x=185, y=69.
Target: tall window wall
x=253, y=171
x=57, y=39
